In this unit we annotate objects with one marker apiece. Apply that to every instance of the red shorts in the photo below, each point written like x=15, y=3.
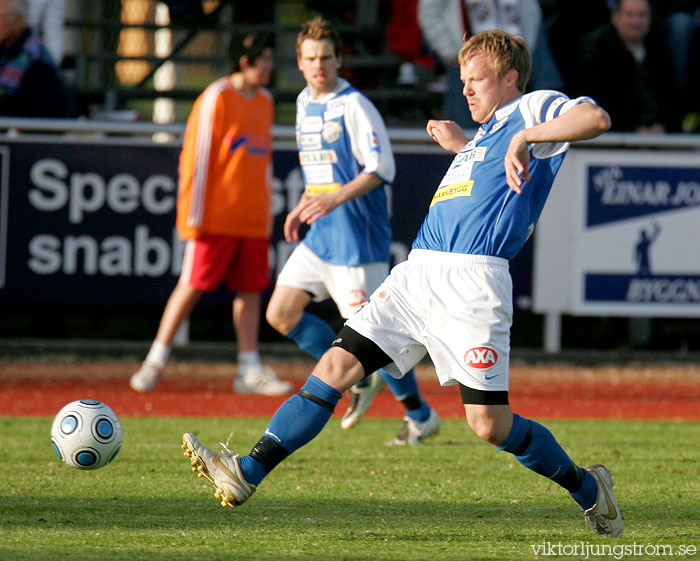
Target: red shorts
x=241, y=261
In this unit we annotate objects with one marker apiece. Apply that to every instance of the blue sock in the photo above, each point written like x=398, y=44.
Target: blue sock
x=587, y=495
x=536, y=448
x=313, y=335
x=420, y=414
x=407, y=387
x=296, y=422
x=252, y=470
x=403, y=387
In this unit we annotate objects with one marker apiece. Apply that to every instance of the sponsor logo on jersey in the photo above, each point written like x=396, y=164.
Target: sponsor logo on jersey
x=331, y=131
x=478, y=154
x=311, y=124
x=461, y=158
x=317, y=189
x=373, y=142
x=334, y=112
x=310, y=141
x=356, y=297
x=338, y=101
x=481, y=358
x=318, y=175
x=462, y=189
x=253, y=145
x=237, y=142
x=315, y=157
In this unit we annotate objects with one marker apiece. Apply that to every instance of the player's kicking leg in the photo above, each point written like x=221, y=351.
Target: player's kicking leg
x=296, y=422
x=534, y=446
x=315, y=336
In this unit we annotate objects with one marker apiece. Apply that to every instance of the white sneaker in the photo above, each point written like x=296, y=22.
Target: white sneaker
x=604, y=517
x=222, y=471
x=360, y=400
x=261, y=380
x=146, y=378
x=413, y=432
x=407, y=75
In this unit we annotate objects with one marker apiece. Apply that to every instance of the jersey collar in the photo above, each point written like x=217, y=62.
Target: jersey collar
x=341, y=86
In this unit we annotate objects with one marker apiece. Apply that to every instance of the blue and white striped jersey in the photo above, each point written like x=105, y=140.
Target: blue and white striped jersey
x=473, y=210
x=338, y=137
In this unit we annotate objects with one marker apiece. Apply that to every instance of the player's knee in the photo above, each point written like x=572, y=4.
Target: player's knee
x=362, y=349
x=339, y=369
x=487, y=429
x=484, y=429
x=278, y=320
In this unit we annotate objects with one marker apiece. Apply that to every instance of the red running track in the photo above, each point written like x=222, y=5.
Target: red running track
x=550, y=398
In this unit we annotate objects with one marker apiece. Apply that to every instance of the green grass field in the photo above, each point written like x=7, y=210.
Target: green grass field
x=344, y=496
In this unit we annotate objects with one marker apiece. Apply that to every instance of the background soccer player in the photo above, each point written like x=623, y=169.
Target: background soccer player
x=347, y=162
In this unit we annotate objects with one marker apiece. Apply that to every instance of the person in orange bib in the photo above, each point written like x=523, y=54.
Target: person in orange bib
x=223, y=212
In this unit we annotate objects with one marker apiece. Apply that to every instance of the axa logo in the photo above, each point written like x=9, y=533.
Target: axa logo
x=481, y=358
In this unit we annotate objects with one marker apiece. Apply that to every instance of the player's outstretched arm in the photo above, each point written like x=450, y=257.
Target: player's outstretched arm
x=447, y=134
x=581, y=122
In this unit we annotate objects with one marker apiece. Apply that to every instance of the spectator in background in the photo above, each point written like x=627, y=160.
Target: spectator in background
x=30, y=85
x=446, y=23
x=692, y=120
x=405, y=39
x=46, y=17
x=566, y=24
x=628, y=69
x=678, y=18
x=223, y=211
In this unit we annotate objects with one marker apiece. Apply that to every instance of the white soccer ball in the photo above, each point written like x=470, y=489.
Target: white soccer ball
x=86, y=434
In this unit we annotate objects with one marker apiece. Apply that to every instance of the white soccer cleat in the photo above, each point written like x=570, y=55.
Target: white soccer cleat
x=146, y=378
x=413, y=432
x=260, y=380
x=222, y=470
x=360, y=400
x=604, y=517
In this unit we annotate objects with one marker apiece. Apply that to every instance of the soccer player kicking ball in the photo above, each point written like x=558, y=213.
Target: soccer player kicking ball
x=453, y=296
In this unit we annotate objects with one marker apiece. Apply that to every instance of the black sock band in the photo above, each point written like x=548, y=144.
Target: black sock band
x=412, y=402
x=572, y=478
x=269, y=453
x=365, y=350
x=482, y=397
x=317, y=400
x=526, y=441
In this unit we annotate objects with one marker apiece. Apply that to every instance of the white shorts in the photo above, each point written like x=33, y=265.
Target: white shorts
x=457, y=308
x=349, y=287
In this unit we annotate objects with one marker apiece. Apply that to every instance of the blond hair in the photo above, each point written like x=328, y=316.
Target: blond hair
x=503, y=51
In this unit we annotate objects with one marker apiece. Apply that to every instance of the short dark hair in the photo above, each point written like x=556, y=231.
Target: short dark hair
x=615, y=6
x=251, y=45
